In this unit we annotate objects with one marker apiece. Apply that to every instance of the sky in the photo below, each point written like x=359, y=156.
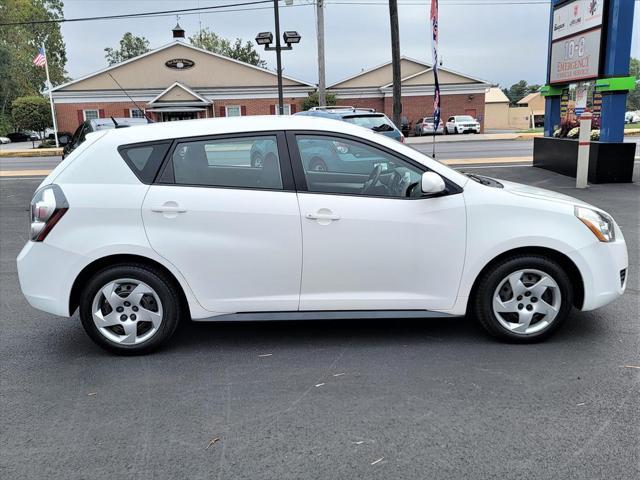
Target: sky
x=498, y=43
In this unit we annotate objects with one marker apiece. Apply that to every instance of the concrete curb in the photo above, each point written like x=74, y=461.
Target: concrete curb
x=35, y=152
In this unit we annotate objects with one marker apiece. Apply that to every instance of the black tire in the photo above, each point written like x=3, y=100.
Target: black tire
x=165, y=288
x=482, y=303
x=317, y=165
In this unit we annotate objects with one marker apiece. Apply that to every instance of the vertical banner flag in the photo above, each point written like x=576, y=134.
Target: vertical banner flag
x=434, y=53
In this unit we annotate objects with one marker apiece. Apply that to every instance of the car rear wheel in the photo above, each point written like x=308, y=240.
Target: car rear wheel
x=130, y=309
x=523, y=298
x=317, y=165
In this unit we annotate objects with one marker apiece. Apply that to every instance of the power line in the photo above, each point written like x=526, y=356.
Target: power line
x=136, y=15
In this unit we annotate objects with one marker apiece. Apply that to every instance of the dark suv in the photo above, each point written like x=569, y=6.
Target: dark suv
x=365, y=117
x=88, y=126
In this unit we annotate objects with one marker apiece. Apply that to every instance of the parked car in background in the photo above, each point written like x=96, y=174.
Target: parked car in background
x=424, y=126
x=462, y=124
x=405, y=126
x=631, y=117
x=70, y=143
x=144, y=227
x=5, y=140
x=365, y=117
x=19, y=137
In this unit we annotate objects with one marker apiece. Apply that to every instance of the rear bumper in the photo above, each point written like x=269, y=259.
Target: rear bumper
x=46, y=276
x=601, y=265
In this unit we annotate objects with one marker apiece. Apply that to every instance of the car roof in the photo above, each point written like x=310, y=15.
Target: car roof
x=108, y=122
x=230, y=125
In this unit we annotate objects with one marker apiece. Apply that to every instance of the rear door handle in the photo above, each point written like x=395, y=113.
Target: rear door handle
x=169, y=207
x=322, y=216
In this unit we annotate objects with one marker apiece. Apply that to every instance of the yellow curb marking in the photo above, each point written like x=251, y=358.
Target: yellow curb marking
x=24, y=173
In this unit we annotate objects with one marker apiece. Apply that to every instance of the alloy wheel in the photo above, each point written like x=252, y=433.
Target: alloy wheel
x=527, y=301
x=127, y=311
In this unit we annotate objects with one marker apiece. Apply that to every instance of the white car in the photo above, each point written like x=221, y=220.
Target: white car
x=631, y=117
x=461, y=124
x=4, y=140
x=144, y=227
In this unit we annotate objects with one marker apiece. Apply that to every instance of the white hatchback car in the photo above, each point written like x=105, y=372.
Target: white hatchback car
x=143, y=227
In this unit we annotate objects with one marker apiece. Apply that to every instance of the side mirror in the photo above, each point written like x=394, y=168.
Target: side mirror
x=432, y=183
x=63, y=140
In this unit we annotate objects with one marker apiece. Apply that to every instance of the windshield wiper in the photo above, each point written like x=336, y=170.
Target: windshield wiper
x=478, y=178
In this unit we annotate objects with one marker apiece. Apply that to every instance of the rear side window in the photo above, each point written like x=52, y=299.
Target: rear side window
x=145, y=159
x=242, y=162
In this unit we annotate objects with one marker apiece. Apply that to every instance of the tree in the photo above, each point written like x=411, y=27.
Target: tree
x=312, y=100
x=130, y=46
x=19, y=44
x=633, y=97
x=517, y=91
x=211, y=41
x=31, y=113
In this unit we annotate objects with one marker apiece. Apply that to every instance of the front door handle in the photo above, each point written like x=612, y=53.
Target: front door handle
x=324, y=216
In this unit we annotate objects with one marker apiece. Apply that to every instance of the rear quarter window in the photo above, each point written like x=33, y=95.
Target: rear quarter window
x=145, y=159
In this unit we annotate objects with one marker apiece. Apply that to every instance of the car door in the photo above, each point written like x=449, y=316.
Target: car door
x=371, y=240
x=232, y=229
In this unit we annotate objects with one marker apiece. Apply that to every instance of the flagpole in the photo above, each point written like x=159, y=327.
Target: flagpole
x=49, y=87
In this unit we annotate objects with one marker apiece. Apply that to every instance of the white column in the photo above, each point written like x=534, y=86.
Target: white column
x=584, y=142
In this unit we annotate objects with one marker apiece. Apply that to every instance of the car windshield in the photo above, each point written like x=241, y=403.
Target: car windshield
x=378, y=123
x=465, y=118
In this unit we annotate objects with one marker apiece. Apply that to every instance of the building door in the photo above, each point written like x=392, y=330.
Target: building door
x=175, y=116
x=471, y=111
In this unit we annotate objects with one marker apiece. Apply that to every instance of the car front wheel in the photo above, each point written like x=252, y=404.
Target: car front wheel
x=130, y=309
x=523, y=298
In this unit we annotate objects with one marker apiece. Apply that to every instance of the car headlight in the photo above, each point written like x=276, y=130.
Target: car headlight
x=599, y=223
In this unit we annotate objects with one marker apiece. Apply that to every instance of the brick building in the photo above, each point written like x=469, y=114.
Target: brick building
x=175, y=82
x=179, y=81
x=459, y=94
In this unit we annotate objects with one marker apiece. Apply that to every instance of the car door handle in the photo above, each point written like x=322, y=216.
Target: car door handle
x=169, y=207
x=320, y=215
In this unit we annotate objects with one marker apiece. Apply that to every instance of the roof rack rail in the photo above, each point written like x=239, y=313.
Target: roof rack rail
x=343, y=107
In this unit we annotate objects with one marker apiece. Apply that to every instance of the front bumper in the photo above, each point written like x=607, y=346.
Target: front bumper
x=601, y=265
x=46, y=275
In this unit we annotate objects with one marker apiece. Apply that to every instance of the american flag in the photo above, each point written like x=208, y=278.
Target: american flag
x=434, y=53
x=40, y=60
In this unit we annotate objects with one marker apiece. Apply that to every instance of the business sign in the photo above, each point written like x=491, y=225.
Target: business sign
x=577, y=16
x=179, y=63
x=575, y=58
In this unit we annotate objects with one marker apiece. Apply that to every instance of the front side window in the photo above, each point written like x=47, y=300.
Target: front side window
x=91, y=114
x=337, y=165
x=247, y=162
x=233, y=111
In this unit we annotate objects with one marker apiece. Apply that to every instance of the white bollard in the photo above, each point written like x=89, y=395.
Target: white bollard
x=584, y=142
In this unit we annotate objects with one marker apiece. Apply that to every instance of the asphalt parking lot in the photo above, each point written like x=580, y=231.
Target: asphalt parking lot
x=342, y=399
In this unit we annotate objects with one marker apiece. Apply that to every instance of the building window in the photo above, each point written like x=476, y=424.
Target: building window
x=136, y=113
x=286, y=109
x=91, y=114
x=233, y=110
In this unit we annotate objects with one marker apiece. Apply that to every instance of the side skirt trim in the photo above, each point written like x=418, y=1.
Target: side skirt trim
x=323, y=315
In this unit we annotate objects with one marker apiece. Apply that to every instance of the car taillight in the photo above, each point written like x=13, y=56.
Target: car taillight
x=47, y=208
x=401, y=138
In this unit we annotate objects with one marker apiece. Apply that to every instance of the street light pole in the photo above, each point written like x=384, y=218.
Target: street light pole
x=278, y=58
x=395, y=60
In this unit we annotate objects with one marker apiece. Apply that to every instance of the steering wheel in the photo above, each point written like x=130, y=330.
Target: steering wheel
x=374, y=176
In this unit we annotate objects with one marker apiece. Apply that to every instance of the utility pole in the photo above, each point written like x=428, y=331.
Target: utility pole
x=278, y=59
x=395, y=59
x=322, y=100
